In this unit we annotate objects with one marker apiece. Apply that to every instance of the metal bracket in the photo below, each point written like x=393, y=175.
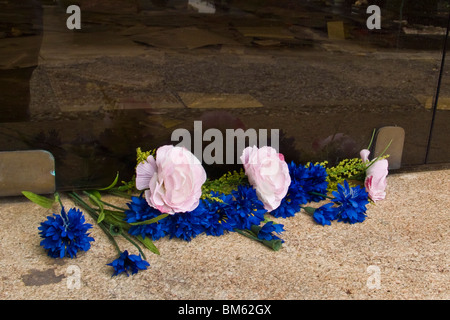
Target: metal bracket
x=396, y=137
x=31, y=170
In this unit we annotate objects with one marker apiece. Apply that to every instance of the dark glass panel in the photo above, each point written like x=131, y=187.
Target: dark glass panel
x=138, y=70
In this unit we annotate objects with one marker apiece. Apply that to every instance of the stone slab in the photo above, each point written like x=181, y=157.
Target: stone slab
x=407, y=245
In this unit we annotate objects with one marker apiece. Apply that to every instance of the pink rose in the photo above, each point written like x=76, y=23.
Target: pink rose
x=376, y=174
x=268, y=173
x=173, y=182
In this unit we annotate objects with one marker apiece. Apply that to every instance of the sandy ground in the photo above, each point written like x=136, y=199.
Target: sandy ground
x=401, y=251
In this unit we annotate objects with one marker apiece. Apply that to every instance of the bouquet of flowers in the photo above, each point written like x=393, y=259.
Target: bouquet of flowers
x=170, y=196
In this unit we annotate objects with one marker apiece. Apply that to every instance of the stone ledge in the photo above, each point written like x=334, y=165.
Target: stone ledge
x=405, y=236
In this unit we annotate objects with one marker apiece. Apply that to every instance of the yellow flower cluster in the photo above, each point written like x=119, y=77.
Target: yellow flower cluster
x=142, y=156
x=347, y=169
x=225, y=184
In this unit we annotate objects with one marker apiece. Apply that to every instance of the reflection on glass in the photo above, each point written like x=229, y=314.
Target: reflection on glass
x=138, y=70
x=202, y=6
x=439, y=136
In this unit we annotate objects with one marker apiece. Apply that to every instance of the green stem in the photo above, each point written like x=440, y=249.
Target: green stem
x=248, y=234
x=59, y=199
x=150, y=221
x=371, y=140
x=385, y=149
x=76, y=198
x=382, y=153
x=320, y=194
x=112, y=206
x=118, y=193
x=273, y=244
x=134, y=243
x=110, y=237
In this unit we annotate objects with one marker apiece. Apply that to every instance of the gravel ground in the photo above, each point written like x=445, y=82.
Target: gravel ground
x=404, y=241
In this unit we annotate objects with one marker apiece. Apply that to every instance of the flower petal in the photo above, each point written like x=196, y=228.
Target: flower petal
x=364, y=154
x=144, y=173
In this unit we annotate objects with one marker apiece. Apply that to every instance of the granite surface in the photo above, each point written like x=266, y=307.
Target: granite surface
x=401, y=251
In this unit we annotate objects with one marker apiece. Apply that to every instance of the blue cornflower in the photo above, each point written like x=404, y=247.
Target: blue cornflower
x=288, y=207
x=127, y=262
x=215, y=220
x=348, y=205
x=351, y=203
x=187, y=225
x=266, y=232
x=66, y=234
x=303, y=181
x=246, y=209
x=325, y=214
x=292, y=202
x=317, y=182
x=140, y=210
x=311, y=178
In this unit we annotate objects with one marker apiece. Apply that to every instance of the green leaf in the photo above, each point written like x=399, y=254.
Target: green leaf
x=118, y=215
x=96, y=194
x=101, y=216
x=112, y=185
x=309, y=210
x=95, y=200
x=150, y=221
x=148, y=243
x=114, y=219
x=40, y=200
